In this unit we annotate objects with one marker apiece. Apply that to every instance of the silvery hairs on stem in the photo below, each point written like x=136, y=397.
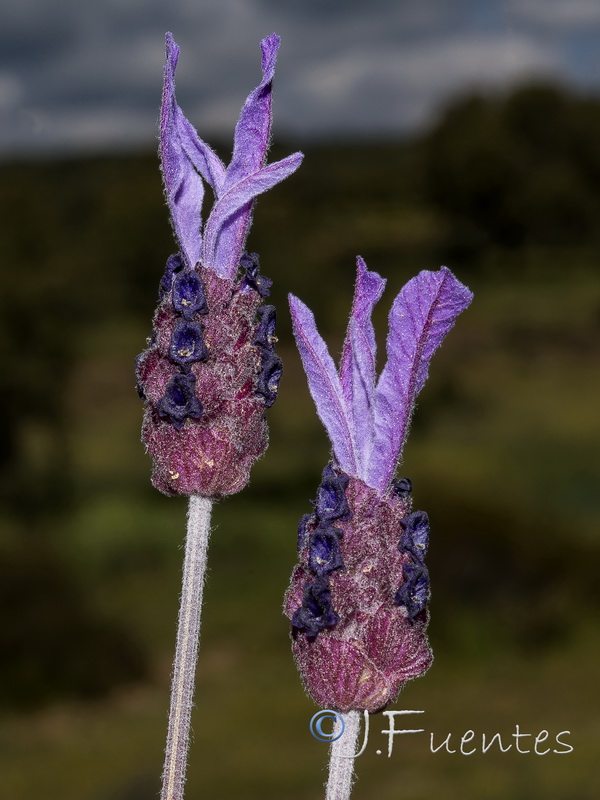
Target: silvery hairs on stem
x=210, y=370
x=358, y=596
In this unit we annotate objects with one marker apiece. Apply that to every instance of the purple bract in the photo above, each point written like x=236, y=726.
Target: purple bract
x=367, y=418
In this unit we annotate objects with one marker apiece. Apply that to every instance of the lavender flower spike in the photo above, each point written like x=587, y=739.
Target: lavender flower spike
x=358, y=596
x=204, y=379
x=210, y=371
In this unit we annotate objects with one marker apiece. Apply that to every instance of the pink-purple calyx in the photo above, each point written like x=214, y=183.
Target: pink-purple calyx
x=358, y=597
x=366, y=417
x=187, y=162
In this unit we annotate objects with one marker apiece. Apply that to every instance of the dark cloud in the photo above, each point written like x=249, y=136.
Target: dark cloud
x=557, y=15
x=76, y=74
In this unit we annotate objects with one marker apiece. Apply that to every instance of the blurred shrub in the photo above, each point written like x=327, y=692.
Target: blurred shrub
x=53, y=646
x=522, y=169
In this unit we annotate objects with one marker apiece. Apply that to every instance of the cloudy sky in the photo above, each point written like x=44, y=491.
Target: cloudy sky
x=85, y=75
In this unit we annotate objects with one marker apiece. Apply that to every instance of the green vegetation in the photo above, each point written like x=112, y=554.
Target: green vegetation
x=503, y=454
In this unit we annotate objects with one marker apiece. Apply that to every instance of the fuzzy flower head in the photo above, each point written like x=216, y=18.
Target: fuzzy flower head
x=210, y=369
x=358, y=596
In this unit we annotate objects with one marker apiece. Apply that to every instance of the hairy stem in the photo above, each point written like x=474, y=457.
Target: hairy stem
x=186, y=652
x=341, y=758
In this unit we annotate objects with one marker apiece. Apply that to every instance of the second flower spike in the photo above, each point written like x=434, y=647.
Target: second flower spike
x=358, y=596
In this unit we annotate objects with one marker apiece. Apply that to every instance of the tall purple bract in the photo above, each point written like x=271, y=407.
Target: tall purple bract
x=358, y=599
x=210, y=371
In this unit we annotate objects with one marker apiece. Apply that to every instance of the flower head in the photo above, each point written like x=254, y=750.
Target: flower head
x=209, y=370
x=358, y=597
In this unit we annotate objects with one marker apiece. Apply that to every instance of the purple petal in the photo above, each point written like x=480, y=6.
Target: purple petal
x=271, y=370
x=357, y=369
x=421, y=316
x=324, y=551
x=203, y=157
x=189, y=296
x=331, y=502
x=324, y=385
x=413, y=594
x=179, y=401
x=187, y=344
x=183, y=185
x=224, y=237
x=252, y=131
x=251, y=141
x=415, y=535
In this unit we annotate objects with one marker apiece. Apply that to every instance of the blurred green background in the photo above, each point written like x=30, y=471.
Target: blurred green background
x=503, y=454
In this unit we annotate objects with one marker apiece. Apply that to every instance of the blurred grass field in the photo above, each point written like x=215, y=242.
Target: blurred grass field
x=503, y=454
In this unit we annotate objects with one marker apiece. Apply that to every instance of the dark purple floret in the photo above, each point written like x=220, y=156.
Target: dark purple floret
x=138, y=385
x=415, y=534
x=331, y=500
x=174, y=264
x=324, y=551
x=402, y=488
x=179, y=401
x=414, y=592
x=188, y=295
x=253, y=278
x=315, y=614
x=187, y=344
x=265, y=333
x=268, y=380
x=302, y=530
